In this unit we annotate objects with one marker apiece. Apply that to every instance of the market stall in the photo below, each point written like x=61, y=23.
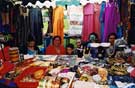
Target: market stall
x=64, y=71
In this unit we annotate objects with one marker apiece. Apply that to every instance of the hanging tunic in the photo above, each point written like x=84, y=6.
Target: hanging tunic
x=58, y=22
x=96, y=18
x=111, y=18
x=88, y=21
x=103, y=4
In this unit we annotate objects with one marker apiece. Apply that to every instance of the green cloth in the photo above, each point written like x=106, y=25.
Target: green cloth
x=68, y=2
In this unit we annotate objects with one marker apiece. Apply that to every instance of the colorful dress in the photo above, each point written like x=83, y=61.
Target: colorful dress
x=111, y=18
x=88, y=21
x=96, y=19
x=58, y=22
x=103, y=4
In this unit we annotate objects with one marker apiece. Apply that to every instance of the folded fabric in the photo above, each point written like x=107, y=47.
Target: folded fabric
x=7, y=66
x=132, y=74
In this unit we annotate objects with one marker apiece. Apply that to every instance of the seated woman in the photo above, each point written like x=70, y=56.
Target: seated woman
x=31, y=48
x=70, y=49
x=93, y=38
x=56, y=48
x=111, y=51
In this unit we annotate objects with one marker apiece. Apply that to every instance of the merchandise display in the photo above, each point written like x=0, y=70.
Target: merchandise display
x=62, y=71
x=67, y=44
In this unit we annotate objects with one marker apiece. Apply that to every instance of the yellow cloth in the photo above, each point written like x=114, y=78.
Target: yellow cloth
x=58, y=22
x=103, y=74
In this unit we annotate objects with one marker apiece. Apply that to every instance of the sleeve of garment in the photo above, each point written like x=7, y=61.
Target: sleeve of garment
x=63, y=50
x=48, y=50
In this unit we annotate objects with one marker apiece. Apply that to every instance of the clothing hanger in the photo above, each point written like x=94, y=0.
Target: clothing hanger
x=39, y=4
x=47, y=4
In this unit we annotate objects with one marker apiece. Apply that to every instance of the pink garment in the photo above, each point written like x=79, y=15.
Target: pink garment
x=88, y=21
x=96, y=18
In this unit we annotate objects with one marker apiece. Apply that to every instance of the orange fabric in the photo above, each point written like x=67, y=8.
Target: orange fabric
x=51, y=50
x=58, y=22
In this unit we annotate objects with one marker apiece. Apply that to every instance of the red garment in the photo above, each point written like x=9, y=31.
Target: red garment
x=7, y=66
x=6, y=53
x=51, y=50
x=132, y=74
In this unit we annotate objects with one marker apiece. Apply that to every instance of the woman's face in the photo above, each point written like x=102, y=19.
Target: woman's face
x=57, y=42
x=112, y=39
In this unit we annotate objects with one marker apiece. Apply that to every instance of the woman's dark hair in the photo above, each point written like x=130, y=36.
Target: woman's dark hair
x=70, y=46
x=111, y=34
x=55, y=38
x=30, y=38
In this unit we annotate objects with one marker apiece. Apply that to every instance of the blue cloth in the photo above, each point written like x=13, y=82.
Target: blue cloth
x=119, y=32
x=30, y=52
x=36, y=22
x=4, y=28
x=132, y=1
x=7, y=84
x=93, y=51
x=103, y=4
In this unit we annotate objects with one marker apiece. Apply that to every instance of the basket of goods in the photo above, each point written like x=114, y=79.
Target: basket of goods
x=118, y=69
x=14, y=54
x=30, y=77
x=112, y=61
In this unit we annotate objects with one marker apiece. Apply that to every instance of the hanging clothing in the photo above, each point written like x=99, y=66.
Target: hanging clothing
x=22, y=26
x=50, y=26
x=88, y=21
x=36, y=24
x=96, y=19
x=132, y=17
x=75, y=18
x=11, y=17
x=58, y=22
x=102, y=9
x=124, y=11
x=0, y=23
x=111, y=18
x=119, y=31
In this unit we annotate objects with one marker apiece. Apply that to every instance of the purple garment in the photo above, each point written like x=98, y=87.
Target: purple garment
x=111, y=19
